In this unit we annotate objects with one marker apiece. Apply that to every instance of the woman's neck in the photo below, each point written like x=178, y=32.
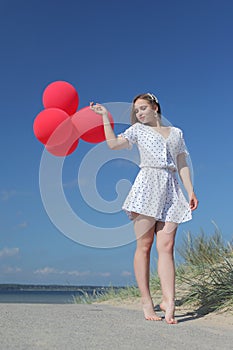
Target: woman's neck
x=154, y=123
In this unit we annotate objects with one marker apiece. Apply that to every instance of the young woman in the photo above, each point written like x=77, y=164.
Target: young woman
x=155, y=202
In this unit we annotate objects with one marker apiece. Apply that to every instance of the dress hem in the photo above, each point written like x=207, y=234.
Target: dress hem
x=129, y=214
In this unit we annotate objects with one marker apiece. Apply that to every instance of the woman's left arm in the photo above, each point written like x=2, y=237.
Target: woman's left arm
x=184, y=173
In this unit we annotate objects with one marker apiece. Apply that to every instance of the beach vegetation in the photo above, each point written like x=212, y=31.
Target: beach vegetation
x=204, y=277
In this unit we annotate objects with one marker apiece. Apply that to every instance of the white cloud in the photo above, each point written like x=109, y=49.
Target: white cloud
x=22, y=225
x=104, y=274
x=6, y=195
x=50, y=270
x=126, y=273
x=5, y=252
x=46, y=271
x=10, y=269
x=79, y=273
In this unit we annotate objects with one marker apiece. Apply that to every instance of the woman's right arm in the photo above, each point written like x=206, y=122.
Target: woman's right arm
x=114, y=142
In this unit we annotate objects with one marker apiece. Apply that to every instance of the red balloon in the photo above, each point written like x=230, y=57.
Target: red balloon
x=62, y=95
x=52, y=126
x=90, y=125
x=66, y=148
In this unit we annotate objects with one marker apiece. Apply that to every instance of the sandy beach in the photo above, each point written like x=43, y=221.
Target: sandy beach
x=104, y=326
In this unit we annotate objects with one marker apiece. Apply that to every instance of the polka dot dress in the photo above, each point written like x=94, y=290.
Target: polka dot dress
x=156, y=191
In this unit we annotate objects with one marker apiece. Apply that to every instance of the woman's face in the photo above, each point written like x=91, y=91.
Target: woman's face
x=144, y=112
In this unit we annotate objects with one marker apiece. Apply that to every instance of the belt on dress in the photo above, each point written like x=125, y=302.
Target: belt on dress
x=169, y=168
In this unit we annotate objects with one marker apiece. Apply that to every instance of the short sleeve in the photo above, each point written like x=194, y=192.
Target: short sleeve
x=182, y=145
x=130, y=134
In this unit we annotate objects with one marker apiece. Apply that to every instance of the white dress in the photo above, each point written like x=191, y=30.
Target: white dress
x=156, y=191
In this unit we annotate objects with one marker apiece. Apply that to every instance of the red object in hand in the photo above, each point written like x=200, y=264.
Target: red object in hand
x=52, y=126
x=89, y=125
x=62, y=95
x=66, y=148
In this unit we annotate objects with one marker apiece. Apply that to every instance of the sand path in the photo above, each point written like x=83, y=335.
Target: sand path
x=101, y=326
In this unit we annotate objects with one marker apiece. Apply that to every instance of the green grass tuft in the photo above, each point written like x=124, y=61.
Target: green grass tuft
x=206, y=276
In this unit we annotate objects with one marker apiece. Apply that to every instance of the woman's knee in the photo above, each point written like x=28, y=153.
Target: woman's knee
x=165, y=240
x=165, y=246
x=145, y=243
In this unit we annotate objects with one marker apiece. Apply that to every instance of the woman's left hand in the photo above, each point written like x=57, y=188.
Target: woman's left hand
x=99, y=109
x=193, y=201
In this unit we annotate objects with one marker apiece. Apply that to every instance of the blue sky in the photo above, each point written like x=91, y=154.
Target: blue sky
x=110, y=51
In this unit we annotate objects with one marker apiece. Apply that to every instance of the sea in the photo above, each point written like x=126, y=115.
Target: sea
x=50, y=296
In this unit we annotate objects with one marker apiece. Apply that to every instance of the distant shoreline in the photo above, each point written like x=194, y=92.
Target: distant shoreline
x=51, y=287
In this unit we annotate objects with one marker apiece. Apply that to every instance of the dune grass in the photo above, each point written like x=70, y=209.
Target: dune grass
x=204, y=279
x=206, y=276
x=110, y=293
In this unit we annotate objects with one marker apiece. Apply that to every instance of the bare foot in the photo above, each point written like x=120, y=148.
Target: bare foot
x=169, y=316
x=162, y=306
x=169, y=313
x=149, y=312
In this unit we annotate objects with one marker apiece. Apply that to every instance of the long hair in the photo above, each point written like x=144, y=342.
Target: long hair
x=152, y=99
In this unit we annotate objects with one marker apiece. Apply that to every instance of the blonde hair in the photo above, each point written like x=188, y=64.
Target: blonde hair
x=151, y=98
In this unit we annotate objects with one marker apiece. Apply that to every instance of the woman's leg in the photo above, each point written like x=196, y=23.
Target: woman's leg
x=165, y=242
x=144, y=227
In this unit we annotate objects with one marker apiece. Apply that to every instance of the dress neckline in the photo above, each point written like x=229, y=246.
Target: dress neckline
x=158, y=133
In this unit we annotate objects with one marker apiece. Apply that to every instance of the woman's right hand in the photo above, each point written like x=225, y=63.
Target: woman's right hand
x=99, y=109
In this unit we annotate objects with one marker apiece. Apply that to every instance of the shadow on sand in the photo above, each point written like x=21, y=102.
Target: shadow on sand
x=190, y=315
